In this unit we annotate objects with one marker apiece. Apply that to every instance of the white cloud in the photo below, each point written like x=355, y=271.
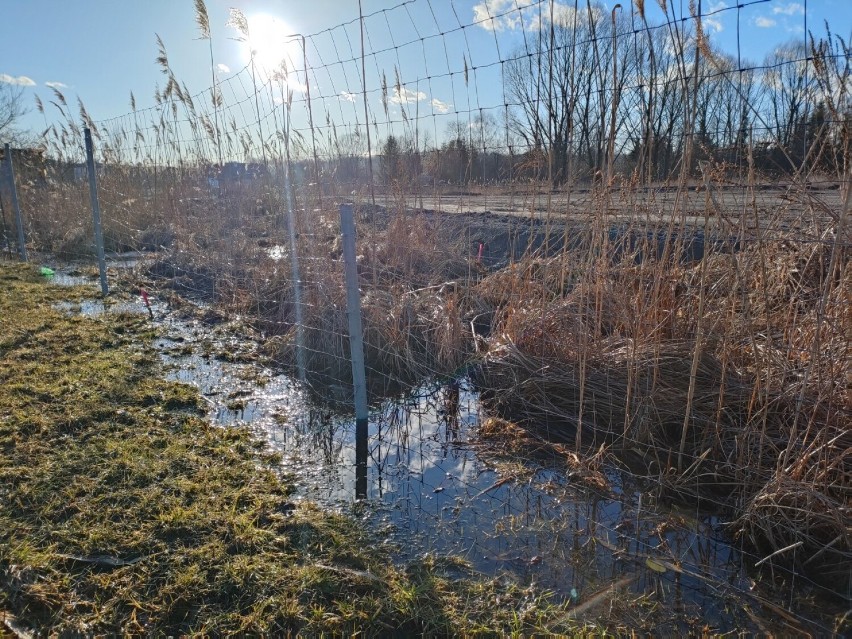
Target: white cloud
x=764, y=23
x=484, y=13
x=223, y=68
x=21, y=80
x=401, y=95
x=349, y=97
x=56, y=85
x=712, y=24
x=566, y=15
x=440, y=107
x=790, y=9
x=503, y=15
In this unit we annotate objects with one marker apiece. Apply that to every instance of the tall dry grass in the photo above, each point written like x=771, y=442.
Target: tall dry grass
x=727, y=375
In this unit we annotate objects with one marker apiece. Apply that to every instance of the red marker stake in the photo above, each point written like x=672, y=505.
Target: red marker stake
x=144, y=295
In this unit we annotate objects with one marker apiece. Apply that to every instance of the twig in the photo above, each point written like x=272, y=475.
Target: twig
x=351, y=572
x=779, y=551
x=493, y=486
x=601, y=596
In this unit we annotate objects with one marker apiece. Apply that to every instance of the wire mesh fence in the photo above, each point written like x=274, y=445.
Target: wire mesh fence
x=622, y=248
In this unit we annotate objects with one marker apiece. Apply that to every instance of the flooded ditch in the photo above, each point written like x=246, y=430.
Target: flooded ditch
x=434, y=486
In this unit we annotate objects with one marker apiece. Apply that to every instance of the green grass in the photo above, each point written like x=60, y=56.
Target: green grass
x=122, y=510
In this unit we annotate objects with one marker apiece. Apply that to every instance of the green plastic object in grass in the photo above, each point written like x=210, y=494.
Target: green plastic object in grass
x=47, y=272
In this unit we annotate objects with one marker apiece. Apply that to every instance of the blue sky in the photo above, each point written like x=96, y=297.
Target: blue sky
x=101, y=50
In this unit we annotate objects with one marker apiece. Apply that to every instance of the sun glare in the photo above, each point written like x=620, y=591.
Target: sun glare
x=272, y=41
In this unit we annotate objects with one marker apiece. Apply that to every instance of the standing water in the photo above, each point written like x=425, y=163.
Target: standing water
x=435, y=486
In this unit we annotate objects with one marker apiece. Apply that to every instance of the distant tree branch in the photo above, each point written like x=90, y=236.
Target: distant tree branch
x=11, y=107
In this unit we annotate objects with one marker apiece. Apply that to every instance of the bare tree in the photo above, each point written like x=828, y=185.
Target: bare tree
x=350, y=150
x=564, y=90
x=790, y=92
x=11, y=108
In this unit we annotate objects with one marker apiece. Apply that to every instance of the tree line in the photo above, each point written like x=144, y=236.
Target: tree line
x=602, y=93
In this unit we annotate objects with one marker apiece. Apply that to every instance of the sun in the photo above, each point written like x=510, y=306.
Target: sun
x=273, y=42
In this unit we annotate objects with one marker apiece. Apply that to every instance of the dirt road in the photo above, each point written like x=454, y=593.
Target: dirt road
x=773, y=204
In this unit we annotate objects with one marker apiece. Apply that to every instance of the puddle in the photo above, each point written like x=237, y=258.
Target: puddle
x=82, y=274
x=70, y=277
x=93, y=308
x=433, y=488
x=130, y=259
x=87, y=275
x=430, y=491
x=236, y=393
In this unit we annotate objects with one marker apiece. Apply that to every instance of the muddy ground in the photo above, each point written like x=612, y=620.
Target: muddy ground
x=655, y=203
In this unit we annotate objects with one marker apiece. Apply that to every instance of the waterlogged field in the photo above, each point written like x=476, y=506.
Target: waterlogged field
x=456, y=498
x=126, y=510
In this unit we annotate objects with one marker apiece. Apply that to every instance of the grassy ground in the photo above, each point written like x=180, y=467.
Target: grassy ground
x=122, y=510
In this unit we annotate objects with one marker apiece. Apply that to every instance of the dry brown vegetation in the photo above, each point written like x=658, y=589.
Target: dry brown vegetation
x=718, y=375
x=726, y=379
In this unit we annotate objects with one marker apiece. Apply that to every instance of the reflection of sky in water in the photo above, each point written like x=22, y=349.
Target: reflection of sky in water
x=76, y=275
x=433, y=488
x=61, y=278
x=93, y=308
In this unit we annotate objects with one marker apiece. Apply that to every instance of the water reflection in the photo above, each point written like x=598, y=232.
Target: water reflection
x=431, y=486
x=426, y=483
x=361, y=454
x=432, y=489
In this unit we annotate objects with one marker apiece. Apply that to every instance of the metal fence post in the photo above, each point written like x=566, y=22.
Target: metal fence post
x=356, y=347
x=297, y=280
x=22, y=245
x=6, y=239
x=96, y=211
